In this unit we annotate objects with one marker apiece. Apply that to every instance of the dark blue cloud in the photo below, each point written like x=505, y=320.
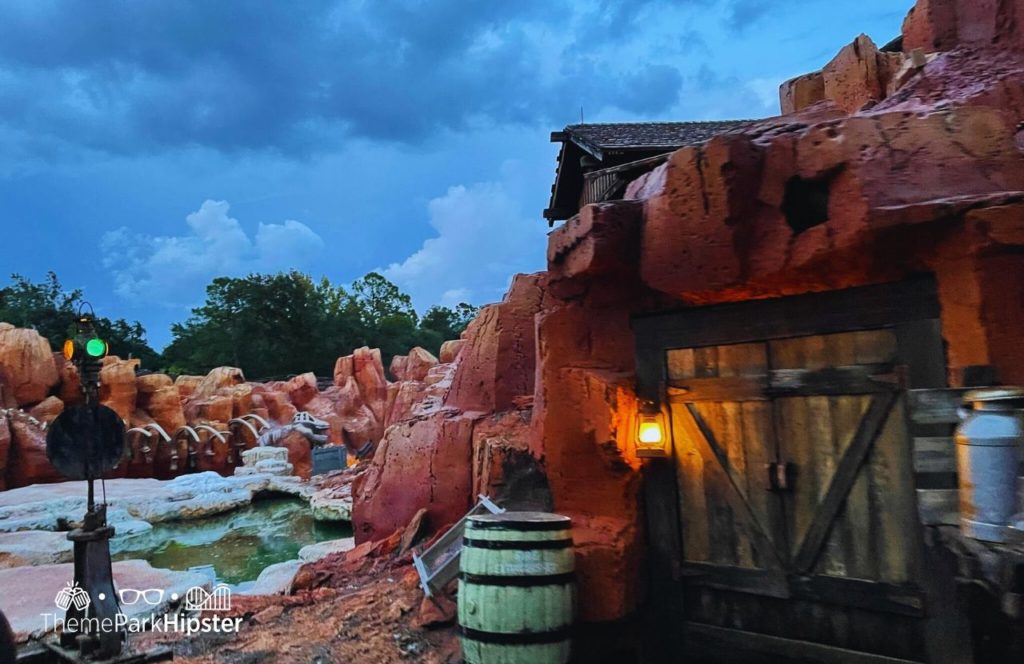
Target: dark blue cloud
x=744, y=13
x=299, y=78
x=407, y=136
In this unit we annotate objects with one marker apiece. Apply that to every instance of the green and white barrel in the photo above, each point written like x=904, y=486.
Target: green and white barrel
x=517, y=592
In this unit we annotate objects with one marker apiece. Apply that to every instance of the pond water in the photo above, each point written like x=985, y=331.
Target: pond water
x=238, y=544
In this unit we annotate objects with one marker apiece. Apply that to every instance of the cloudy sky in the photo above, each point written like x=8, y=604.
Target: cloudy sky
x=146, y=147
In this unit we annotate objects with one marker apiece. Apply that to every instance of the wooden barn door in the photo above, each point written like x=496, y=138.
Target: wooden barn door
x=794, y=478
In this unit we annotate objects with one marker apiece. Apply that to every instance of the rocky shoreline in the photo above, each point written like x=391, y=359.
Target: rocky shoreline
x=35, y=551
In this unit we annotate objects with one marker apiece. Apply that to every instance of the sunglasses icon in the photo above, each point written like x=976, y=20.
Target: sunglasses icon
x=152, y=596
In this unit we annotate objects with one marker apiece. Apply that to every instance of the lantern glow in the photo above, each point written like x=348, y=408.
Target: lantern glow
x=649, y=432
x=69, y=349
x=651, y=439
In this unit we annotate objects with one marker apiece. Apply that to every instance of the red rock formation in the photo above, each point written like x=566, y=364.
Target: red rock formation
x=325, y=406
x=117, y=385
x=47, y=410
x=302, y=389
x=502, y=461
x=217, y=379
x=729, y=197
x=187, y=385
x=422, y=463
x=939, y=25
x=368, y=371
x=212, y=452
x=241, y=399
x=279, y=407
x=397, y=368
x=5, y=447
x=795, y=95
x=419, y=362
x=930, y=26
x=300, y=454
x=363, y=393
x=859, y=75
x=159, y=398
x=217, y=408
x=149, y=383
x=498, y=363
x=26, y=363
x=70, y=385
x=403, y=398
x=357, y=420
x=450, y=350
x=27, y=463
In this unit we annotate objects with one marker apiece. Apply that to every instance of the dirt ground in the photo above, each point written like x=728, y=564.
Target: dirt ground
x=364, y=605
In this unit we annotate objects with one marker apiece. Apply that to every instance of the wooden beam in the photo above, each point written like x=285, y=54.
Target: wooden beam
x=937, y=406
x=730, y=645
x=833, y=381
x=862, y=308
x=846, y=474
x=934, y=454
x=661, y=506
x=766, y=583
x=558, y=213
x=860, y=593
x=727, y=388
x=650, y=371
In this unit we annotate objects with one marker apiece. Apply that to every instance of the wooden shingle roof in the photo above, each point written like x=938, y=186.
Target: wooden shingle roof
x=642, y=136
x=589, y=148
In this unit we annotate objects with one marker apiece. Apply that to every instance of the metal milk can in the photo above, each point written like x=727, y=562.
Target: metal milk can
x=988, y=454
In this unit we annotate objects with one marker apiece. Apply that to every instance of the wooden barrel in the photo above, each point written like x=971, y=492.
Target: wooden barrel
x=517, y=593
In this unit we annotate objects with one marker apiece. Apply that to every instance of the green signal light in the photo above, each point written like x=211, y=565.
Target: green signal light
x=96, y=347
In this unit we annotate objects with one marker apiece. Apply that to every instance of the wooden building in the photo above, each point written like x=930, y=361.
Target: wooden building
x=597, y=161
x=802, y=301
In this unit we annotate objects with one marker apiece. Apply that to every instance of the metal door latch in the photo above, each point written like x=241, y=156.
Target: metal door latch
x=780, y=476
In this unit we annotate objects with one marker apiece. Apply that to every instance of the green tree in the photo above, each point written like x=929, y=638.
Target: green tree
x=51, y=310
x=439, y=324
x=272, y=326
x=268, y=325
x=378, y=299
x=449, y=323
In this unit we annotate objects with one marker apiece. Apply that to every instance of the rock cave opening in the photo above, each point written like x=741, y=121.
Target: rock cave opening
x=805, y=202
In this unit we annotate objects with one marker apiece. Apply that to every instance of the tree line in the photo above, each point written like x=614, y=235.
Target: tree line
x=269, y=325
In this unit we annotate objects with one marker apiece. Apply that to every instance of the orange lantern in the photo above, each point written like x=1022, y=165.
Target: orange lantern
x=651, y=434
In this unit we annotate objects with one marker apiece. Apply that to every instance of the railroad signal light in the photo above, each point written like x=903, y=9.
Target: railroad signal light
x=96, y=347
x=651, y=437
x=85, y=345
x=84, y=349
